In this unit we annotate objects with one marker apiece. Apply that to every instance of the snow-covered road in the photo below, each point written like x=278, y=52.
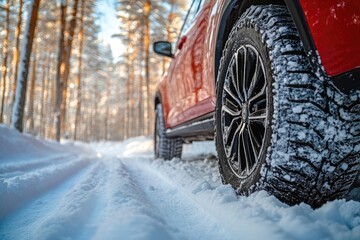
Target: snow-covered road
x=118, y=191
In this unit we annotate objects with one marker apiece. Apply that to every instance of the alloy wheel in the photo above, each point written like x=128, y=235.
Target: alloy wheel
x=244, y=111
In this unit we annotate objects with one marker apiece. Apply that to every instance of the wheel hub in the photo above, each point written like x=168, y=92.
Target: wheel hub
x=245, y=112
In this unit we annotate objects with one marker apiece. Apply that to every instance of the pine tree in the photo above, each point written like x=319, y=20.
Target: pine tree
x=16, y=49
x=18, y=111
x=68, y=50
x=78, y=79
x=60, y=70
x=5, y=46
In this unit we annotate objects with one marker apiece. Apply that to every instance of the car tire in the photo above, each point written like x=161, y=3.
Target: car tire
x=165, y=147
x=282, y=126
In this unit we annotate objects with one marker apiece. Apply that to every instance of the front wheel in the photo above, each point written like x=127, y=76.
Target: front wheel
x=280, y=126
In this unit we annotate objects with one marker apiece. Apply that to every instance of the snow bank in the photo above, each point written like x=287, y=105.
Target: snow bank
x=118, y=191
x=30, y=166
x=15, y=146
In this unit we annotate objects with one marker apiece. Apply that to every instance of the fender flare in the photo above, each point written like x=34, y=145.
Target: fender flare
x=234, y=8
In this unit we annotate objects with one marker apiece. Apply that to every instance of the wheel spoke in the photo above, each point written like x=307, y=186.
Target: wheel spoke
x=254, y=138
x=258, y=95
x=262, y=92
x=232, y=95
x=244, y=75
x=254, y=144
x=235, y=77
x=231, y=104
x=230, y=128
x=247, y=154
x=239, y=156
x=258, y=115
x=226, y=109
x=255, y=77
x=237, y=132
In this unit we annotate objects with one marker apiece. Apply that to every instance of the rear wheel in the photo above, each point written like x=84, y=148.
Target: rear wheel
x=165, y=147
x=277, y=120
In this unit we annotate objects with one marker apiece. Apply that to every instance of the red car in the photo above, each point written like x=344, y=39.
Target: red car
x=276, y=83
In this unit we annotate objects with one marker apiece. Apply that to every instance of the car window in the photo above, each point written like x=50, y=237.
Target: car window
x=194, y=8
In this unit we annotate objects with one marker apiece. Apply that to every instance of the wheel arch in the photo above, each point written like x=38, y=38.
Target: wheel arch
x=157, y=99
x=234, y=9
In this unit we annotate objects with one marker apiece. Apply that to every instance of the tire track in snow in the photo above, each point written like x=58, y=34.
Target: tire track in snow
x=17, y=190
x=63, y=212
x=74, y=209
x=187, y=218
x=126, y=212
x=191, y=198
x=21, y=223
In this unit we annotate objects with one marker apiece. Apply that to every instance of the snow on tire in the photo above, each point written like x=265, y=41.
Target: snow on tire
x=165, y=147
x=307, y=149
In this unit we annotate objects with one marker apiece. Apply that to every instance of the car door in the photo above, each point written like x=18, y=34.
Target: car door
x=197, y=97
x=177, y=88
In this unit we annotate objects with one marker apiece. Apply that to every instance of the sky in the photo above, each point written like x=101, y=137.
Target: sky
x=110, y=26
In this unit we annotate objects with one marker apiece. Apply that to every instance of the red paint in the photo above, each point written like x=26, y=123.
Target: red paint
x=335, y=28
x=187, y=89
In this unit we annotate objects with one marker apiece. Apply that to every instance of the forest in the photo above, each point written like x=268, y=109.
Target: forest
x=59, y=80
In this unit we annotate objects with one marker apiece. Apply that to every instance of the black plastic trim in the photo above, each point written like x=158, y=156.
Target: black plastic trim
x=200, y=127
x=298, y=16
x=348, y=82
x=157, y=99
x=239, y=6
x=220, y=32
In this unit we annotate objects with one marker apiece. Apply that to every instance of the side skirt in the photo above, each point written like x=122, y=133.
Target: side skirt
x=199, y=129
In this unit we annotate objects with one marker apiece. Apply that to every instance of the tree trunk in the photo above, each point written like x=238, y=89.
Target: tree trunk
x=60, y=71
x=18, y=111
x=44, y=92
x=68, y=48
x=16, y=49
x=5, y=60
x=169, y=31
x=78, y=79
x=132, y=122
x=128, y=97
x=32, y=93
x=141, y=104
x=141, y=115
x=52, y=99
x=107, y=117
x=147, y=9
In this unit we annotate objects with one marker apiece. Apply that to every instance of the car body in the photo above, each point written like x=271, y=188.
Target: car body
x=187, y=90
x=301, y=58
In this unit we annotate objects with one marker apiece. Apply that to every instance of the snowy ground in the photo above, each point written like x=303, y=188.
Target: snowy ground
x=118, y=191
